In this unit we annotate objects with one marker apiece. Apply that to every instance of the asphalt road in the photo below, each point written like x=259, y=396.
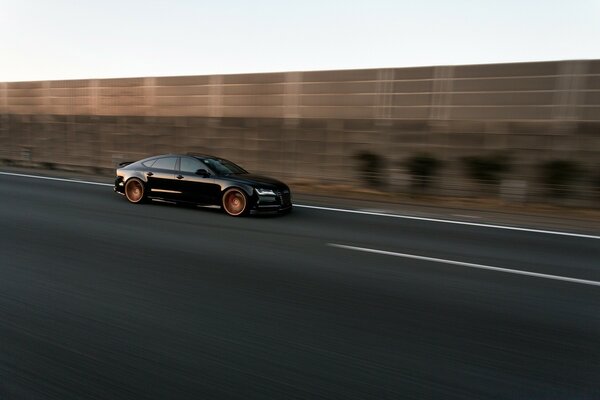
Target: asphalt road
x=100, y=299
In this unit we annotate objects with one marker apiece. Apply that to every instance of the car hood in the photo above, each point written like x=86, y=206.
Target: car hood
x=258, y=180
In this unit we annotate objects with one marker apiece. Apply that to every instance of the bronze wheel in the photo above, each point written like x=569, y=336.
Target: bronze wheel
x=134, y=190
x=234, y=202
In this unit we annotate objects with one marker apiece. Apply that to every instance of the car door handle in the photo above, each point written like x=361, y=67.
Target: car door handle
x=149, y=174
x=179, y=177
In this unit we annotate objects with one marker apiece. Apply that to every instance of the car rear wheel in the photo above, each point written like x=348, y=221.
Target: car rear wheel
x=134, y=190
x=235, y=202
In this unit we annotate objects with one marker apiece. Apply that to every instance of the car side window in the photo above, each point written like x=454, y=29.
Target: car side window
x=165, y=163
x=149, y=162
x=190, y=165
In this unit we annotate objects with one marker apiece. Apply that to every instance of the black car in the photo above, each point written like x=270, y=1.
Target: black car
x=203, y=180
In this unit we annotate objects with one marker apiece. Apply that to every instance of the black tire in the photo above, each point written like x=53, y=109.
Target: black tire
x=235, y=202
x=135, y=191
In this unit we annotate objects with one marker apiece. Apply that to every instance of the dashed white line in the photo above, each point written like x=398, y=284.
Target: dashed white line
x=361, y=212
x=466, y=264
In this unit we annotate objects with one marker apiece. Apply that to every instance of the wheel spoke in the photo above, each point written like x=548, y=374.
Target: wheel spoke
x=234, y=202
x=134, y=191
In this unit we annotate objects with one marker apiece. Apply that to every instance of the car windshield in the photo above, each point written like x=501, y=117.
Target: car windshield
x=223, y=167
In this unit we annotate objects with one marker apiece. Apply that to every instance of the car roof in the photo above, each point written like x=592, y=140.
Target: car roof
x=200, y=155
x=196, y=155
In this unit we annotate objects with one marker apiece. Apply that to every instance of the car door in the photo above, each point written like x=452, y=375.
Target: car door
x=194, y=187
x=161, y=178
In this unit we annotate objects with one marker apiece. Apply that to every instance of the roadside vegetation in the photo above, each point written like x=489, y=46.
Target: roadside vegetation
x=372, y=169
x=423, y=168
x=487, y=169
x=492, y=175
x=558, y=177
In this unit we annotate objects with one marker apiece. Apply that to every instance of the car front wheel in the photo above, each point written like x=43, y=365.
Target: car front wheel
x=235, y=202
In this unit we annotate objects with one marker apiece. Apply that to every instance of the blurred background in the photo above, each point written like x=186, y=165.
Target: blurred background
x=522, y=132
x=451, y=100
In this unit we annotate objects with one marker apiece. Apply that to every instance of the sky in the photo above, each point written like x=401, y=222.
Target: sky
x=64, y=39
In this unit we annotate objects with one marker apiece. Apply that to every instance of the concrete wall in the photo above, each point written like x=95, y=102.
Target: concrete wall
x=310, y=125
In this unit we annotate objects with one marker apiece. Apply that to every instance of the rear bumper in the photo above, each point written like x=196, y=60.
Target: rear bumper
x=119, y=186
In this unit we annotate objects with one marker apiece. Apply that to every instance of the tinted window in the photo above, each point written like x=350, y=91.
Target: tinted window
x=149, y=163
x=190, y=165
x=223, y=166
x=165, y=163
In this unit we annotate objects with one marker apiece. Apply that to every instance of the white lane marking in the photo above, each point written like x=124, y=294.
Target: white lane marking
x=448, y=221
x=379, y=214
x=466, y=264
x=57, y=179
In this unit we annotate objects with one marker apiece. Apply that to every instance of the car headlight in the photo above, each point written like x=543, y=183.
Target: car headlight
x=265, y=192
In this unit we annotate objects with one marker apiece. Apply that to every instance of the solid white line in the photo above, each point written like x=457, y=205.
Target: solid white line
x=466, y=264
x=447, y=221
x=56, y=179
x=378, y=214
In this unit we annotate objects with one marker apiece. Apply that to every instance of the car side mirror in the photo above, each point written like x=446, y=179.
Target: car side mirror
x=202, y=172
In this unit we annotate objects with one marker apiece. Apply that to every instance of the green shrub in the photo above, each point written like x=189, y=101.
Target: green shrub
x=486, y=169
x=371, y=168
x=596, y=184
x=48, y=165
x=557, y=176
x=422, y=168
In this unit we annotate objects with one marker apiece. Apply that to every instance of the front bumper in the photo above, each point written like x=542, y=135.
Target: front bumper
x=280, y=203
x=271, y=210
